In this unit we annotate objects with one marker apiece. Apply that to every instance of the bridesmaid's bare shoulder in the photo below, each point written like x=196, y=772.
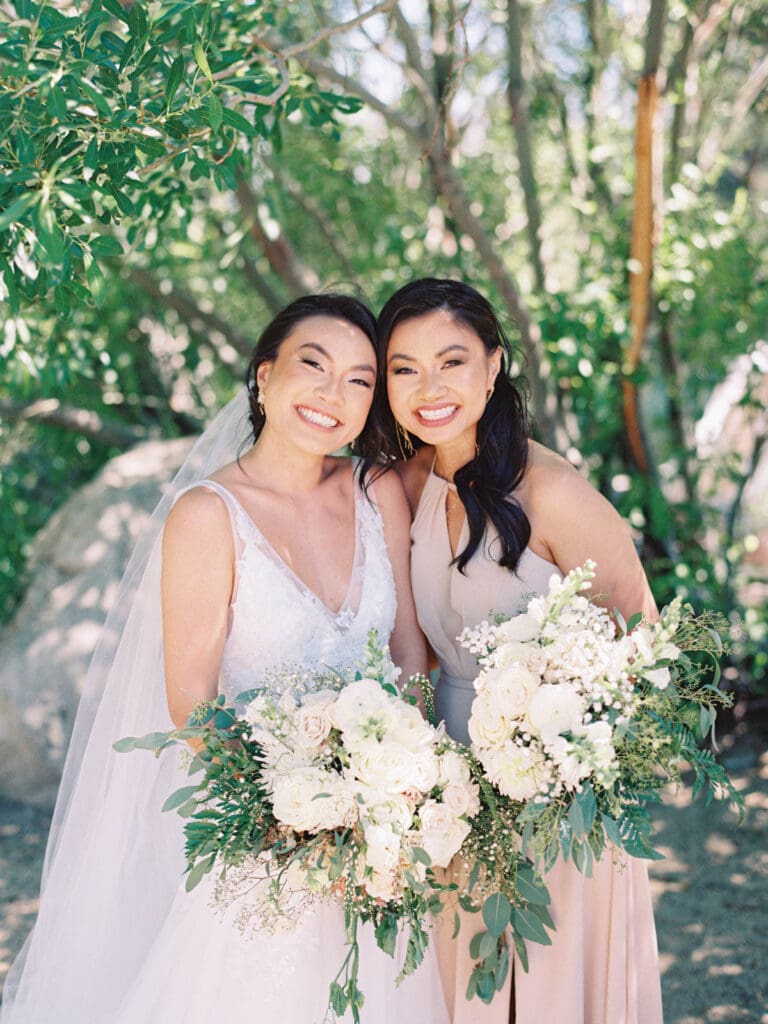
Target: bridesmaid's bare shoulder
x=414, y=472
x=549, y=480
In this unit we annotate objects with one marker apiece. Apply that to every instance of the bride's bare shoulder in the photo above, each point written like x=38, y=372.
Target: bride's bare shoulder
x=199, y=515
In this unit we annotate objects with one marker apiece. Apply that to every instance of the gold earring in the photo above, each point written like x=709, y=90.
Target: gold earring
x=404, y=442
x=489, y=393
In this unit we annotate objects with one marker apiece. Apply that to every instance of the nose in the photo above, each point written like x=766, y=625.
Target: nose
x=329, y=389
x=432, y=386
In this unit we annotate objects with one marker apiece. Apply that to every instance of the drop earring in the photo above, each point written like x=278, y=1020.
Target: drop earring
x=260, y=401
x=404, y=442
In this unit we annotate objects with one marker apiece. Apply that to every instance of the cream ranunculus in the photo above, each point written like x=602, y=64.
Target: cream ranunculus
x=461, y=798
x=519, y=629
x=555, y=709
x=425, y=770
x=381, y=886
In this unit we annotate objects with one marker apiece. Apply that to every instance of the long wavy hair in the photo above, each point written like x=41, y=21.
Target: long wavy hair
x=487, y=483
x=332, y=304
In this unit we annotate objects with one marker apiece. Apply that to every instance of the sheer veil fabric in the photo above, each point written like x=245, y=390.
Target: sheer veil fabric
x=113, y=860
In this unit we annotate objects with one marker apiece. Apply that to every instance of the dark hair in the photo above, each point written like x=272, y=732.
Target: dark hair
x=332, y=304
x=486, y=483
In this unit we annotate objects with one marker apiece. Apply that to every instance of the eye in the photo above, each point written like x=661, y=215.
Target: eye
x=400, y=370
x=453, y=362
x=311, y=362
x=362, y=381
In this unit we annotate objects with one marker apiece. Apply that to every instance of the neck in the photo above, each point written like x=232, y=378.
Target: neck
x=281, y=467
x=449, y=458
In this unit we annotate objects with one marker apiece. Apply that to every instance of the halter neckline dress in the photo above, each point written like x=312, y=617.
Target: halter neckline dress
x=602, y=966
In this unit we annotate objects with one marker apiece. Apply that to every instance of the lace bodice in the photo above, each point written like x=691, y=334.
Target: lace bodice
x=276, y=620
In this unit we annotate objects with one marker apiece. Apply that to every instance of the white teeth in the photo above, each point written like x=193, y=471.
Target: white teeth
x=438, y=414
x=318, y=417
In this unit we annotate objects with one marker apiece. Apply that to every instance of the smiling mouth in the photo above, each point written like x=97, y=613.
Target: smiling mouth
x=437, y=415
x=319, y=419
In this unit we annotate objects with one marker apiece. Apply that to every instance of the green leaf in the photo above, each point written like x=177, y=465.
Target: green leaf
x=588, y=804
x=468, y=906
x=215, y=111
x=14, y=212
x=237, y=121
x=576, y=818
x=421, y=855
x=634, y=621
x=151, y=741
x=386, y=934
x=502, y=969
x=175, y=75
x=531, y=888
x=496, y=913
x=528, y=925
x=179, y=797
x=201, y=868
x=202, y=61
x=105, y=245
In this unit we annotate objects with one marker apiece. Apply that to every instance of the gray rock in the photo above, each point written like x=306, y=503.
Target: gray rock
x=78, y=560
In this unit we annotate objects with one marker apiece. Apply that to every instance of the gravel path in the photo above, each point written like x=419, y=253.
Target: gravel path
x=711, y=894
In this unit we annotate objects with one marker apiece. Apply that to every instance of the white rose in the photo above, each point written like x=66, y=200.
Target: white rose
x=311, y=724
x=441, y=833
x=512, y=689
x=462, y=798
x=382, y=848
x=409, y=727
x=395, y=811
x=425, y=770
x=453, y=768
x=510, y=653
x=518, y=629
x=487, y=727
x=385, y=766
x=554, y=709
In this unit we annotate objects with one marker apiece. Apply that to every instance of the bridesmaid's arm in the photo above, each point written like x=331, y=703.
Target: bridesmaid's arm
x=571, y=522
x=197, y=580
x=407, y=644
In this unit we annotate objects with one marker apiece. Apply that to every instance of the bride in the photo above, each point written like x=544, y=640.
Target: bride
x=275, y=557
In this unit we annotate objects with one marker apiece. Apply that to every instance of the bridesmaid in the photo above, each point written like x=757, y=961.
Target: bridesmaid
x=495, y=514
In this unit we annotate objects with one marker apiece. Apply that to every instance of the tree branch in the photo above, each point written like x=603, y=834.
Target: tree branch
x=518, y=109
x=81, y=421
x=198, y=319
x=748, y=95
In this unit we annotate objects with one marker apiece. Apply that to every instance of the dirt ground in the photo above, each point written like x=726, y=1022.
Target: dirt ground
x=711, y=892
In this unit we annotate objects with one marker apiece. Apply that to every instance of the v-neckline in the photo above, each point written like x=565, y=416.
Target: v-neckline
x=344, y=609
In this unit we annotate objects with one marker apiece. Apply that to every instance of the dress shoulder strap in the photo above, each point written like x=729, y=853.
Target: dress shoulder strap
x=233, y=507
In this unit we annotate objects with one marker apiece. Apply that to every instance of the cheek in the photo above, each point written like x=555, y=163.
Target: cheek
x=396, y=392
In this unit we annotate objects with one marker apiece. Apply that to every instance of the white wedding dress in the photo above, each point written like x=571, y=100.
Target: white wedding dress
x=201, y=966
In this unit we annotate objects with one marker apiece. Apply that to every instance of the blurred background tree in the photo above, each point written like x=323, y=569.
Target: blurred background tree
x=175, y=172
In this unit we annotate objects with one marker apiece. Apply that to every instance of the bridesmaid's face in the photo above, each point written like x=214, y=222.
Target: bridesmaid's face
x=438, y=376
x=319, y=389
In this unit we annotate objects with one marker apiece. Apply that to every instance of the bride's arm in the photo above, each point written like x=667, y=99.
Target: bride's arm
x=197, y=580
x=407, y=644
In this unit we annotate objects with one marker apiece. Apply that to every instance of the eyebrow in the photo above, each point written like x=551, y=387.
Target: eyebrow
x=324, y=352
x=442, y=352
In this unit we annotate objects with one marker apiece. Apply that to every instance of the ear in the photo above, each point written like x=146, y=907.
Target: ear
x=494, y=365
x=263, y=374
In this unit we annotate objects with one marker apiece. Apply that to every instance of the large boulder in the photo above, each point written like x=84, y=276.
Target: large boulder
x=78, y=560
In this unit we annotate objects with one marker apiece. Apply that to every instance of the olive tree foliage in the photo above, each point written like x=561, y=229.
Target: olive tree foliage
x=304, y=145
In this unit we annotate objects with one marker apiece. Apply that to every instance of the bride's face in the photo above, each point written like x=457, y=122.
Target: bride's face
x=318, y=390
x=438, y=376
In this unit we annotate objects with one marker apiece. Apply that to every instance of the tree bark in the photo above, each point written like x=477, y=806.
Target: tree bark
x=642, y=232
x=518, y=109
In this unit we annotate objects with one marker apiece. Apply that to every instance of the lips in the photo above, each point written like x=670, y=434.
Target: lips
x=318, y=419
x=434, y=415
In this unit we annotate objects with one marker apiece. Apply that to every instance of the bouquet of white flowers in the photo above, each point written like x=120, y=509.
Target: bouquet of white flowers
x=583, y=718
x=321, y=786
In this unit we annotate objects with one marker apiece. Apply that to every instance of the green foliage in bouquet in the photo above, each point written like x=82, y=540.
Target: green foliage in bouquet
x=584, y=718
